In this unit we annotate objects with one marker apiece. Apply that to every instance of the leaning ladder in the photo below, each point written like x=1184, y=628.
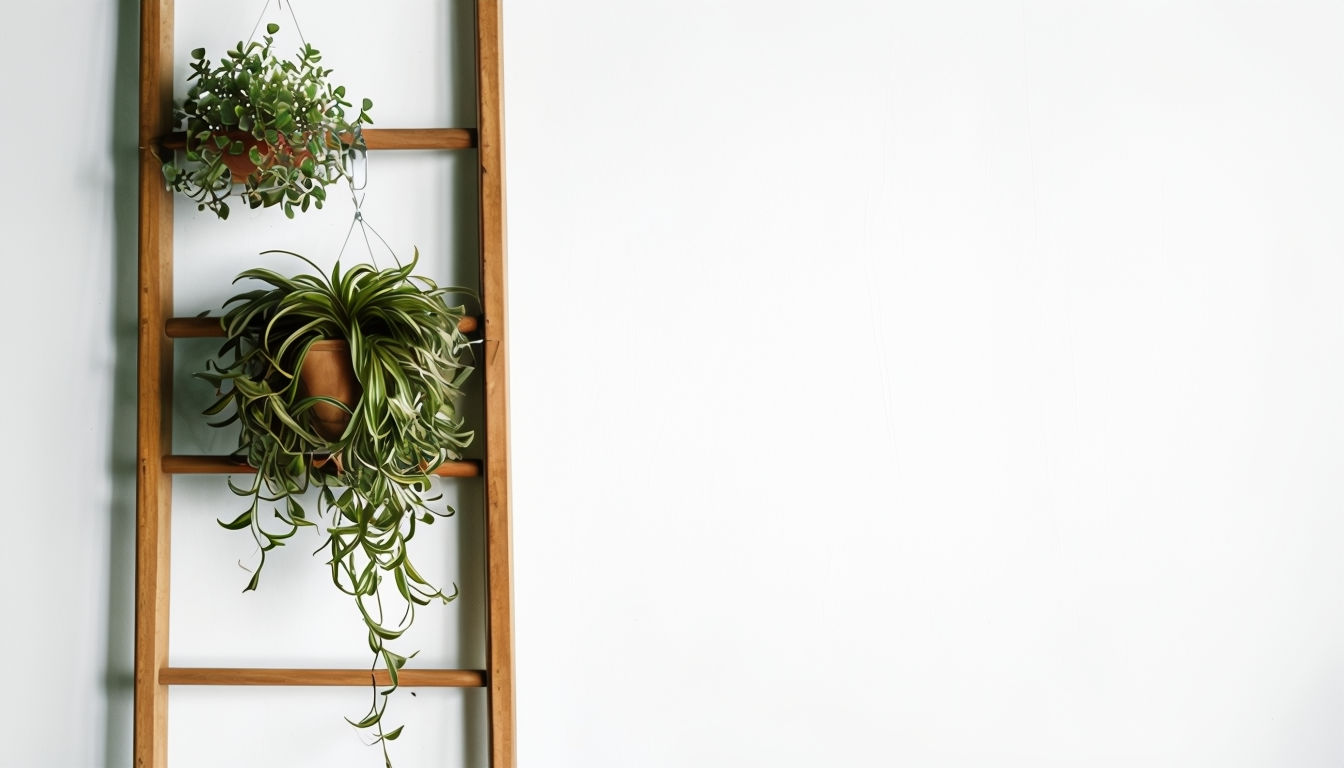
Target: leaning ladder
x=153, y=676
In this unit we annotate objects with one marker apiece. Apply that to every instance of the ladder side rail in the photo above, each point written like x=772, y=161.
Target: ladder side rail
x=155, y=365
x=499, y=555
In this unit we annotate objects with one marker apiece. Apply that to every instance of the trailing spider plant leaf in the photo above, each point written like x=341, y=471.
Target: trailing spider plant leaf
x=370, y=487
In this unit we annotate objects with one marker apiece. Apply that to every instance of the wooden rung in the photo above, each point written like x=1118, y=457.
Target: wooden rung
x=385, y=138
x=227, y=465
x=419, y=138
x=410, y=678
x=209, y=328
x=193, y=328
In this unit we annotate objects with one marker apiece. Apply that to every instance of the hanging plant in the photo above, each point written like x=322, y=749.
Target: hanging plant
x=276, y=126
x=367, y=446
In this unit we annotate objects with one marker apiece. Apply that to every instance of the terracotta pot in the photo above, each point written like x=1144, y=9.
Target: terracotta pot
x=241, y=166
x=328, y=372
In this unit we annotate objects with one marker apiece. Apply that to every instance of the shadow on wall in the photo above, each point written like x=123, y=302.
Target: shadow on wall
x=119, y=670
x=470, y=516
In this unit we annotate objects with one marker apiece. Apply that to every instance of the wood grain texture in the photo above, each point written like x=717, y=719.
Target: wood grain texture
x=410, y=678
x=177, y=464
x=419, y=138
x=494, y=299
x=154, y=383
x=380, y=138
x=209, y=327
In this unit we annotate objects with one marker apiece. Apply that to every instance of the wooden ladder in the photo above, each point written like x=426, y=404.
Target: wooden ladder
x=153, y=676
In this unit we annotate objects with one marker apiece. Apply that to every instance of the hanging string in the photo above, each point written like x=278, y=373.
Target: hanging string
x=261, y=16
x=364, y=229
x=297, y=29
x=278, y=4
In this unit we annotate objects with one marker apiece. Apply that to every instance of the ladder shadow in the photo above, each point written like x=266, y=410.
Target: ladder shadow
x=466, y=242
x=119, y=662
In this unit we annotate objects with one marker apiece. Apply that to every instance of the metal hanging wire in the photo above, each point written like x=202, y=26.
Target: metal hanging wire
x=364, y=229
x=279, y=4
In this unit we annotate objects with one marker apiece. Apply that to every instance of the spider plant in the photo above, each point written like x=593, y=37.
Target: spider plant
x=367, y=486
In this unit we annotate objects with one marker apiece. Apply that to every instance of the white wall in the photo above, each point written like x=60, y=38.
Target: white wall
x=948, y=384
x=67, y=318
x=945, y=384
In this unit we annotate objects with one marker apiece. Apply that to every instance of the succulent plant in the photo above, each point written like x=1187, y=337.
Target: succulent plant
x=276, y=126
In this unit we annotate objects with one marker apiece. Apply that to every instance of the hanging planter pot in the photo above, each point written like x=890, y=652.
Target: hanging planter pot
x=255, y=156
x=241, y=165
x=279, y=128
x=328, y=373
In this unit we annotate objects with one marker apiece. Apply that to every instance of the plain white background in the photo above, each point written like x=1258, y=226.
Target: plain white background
x=894, y=383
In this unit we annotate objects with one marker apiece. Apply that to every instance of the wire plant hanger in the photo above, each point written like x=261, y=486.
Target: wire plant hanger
x=279, y=4
x=358, y=219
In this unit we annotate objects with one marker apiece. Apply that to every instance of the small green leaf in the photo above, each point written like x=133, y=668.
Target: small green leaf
x=198, y=53
x=373, y=717
x=272, y=28
x=240, y=522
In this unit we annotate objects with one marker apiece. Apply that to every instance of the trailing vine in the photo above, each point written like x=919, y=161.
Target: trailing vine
x=371, y=483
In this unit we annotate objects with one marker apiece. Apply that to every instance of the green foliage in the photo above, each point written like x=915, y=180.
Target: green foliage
x=370, y=484
x=283, y=115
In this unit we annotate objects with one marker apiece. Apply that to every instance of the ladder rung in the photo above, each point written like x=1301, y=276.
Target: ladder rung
x=209, y=328
x=411, y=678
x=227, y=465
x=419, y=138
x=386, y=138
